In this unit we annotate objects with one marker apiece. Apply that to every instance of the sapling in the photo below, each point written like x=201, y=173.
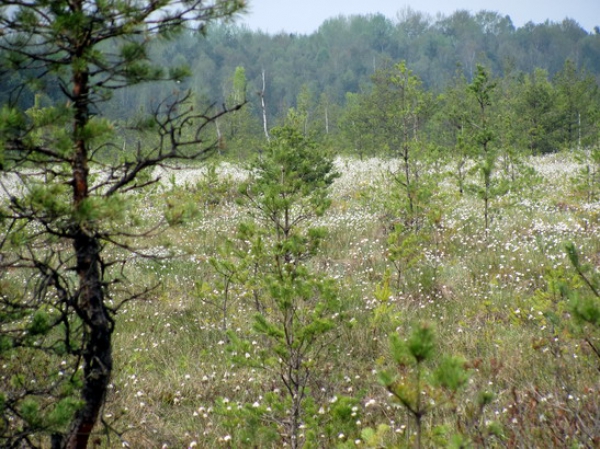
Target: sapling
x=586, y=308
x=287, y=190
x=481, y=89
x=588, y=177
x=417, y=378
x=456, y=114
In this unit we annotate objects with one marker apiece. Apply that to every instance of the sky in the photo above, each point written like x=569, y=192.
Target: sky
x=305, y=16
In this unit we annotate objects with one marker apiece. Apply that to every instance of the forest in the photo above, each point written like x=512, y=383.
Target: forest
x=324, y=73
x=383, y=234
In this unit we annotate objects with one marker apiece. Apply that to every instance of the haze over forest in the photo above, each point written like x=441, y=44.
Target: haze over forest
x=342, y=55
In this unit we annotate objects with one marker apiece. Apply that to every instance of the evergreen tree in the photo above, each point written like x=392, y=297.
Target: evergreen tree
x=62, y=223
x=457, y=114
x=298, y=306
x=537, y=109
x=401, y=108
x=481, y=91
x=357, y=126
x=577, y=104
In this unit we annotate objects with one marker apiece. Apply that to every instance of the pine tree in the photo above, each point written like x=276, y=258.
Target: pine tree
x=482, y=90
x=58, y=307
x=288, y=190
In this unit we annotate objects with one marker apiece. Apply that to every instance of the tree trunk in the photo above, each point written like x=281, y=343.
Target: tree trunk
x=90, y=308
x=97, y=350
x=264, y=107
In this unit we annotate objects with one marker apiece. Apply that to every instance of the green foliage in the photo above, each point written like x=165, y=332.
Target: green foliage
x=325, y=61
x=293, y=165
x=101, y=212
x=40, y=324
x=451, y=375
x=67, y=221
x=420, y=372
x=420, y=344
x=30, y=411
x=181, y=206
x=587, y=179
x=288, y=188
x=537, y=108
x=357, y=126
x=484, y=134
x=238, y=132
x=585, y=307
x=457, y=112
x=375, y=438
x=577, y=106
x=63, y=412
x=185, y=202
x=55, y=417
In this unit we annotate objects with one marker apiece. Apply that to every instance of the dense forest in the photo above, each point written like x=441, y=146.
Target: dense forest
x=341, y=56
x=338, y=59
x=327, y=76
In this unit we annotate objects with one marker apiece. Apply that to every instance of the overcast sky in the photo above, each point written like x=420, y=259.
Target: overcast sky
x=305, y=16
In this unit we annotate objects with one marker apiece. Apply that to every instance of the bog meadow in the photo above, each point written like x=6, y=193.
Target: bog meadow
x=404, y=256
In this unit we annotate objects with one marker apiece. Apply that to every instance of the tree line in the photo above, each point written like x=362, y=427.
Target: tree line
x=344, y=52
x=323, y=76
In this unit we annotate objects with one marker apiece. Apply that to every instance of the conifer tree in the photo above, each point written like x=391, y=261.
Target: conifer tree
x=481, y=91
x=65, y=225
x=536, y=107
x=401, y=108
x=457, y=113
x=288, y=190
x=577, y=104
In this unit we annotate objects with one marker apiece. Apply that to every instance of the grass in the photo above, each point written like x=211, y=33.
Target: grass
x=484, y=294
x=489, y=298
